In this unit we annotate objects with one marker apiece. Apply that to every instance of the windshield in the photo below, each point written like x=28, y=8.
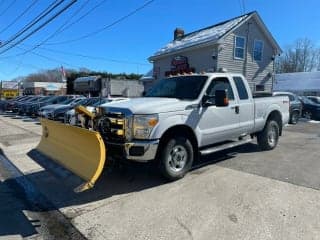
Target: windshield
x=100, y=102
x=81, y=101
x=183, y=87
x=314, y=99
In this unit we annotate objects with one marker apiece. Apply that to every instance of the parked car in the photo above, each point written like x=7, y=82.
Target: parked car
x=72, y=118
x=21, y=106
x=58, y=113
x=310, y=109
x=314, y=99
x=50, y=100
x=47, y=110
x=295, y=106
x=11, y=104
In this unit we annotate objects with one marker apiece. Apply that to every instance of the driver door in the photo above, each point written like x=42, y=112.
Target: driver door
x=218, y=124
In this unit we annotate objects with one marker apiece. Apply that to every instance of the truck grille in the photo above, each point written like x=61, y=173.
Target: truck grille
x=112, y=127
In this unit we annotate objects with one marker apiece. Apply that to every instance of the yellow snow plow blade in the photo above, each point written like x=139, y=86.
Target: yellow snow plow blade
x=79, y=150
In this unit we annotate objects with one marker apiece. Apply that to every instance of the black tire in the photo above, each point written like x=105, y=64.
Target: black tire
x=308, y=115
x=294, y=118
x=176, y=158
x=268, y=138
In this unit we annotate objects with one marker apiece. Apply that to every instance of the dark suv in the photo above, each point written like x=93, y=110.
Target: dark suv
x=295, y=106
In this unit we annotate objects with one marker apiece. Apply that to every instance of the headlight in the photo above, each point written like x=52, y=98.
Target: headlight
x=143, y=125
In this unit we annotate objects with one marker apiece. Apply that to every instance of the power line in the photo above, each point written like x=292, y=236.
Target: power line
x=9, y=6
x=94, y=57
x=19, y=16
x=44, y=13
x=244, y=6
x=52, y=35
x=78, y=55
x=107, y=26
x=82, y=16
x=50, y=58
x=41, y=26
x=241, y=6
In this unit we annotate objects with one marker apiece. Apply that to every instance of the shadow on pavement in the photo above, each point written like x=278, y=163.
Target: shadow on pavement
x=13, y=201
x=12, y=204
x=130, y=177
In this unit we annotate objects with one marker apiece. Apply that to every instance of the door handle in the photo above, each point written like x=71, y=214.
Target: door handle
x=236, y=109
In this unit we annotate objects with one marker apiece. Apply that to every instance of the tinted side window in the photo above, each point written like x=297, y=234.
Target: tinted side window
x=291, y=98
x=220, y=83
x=242, y=91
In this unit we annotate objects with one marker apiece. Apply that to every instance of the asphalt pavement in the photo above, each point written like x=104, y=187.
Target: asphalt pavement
x=242, y=193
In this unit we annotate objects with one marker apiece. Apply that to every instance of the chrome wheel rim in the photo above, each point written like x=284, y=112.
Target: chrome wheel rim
x=307, y=115
x=294, y=118
x=272, y=136
x=177, y=158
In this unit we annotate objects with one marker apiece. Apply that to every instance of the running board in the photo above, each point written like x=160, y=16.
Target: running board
x=225, y=146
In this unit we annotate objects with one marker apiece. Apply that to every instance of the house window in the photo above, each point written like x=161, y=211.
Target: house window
x=257, y=50
x=239, y=47
x=259, y=88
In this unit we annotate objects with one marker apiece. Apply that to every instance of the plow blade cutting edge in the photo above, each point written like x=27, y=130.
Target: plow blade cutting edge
x=77, y=149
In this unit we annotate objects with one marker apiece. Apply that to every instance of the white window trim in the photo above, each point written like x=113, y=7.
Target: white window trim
x=254, y=43
x=235, y=46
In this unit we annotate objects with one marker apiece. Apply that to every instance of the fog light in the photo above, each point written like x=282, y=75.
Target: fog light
x=136, y=151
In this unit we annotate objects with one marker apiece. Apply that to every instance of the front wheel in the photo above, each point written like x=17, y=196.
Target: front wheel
x=176, y=158
x=269, y=136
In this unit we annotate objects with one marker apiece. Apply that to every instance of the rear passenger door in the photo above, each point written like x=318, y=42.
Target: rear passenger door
x=246, y=106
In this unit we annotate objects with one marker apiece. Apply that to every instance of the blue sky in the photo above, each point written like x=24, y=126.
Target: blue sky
x=126, y=46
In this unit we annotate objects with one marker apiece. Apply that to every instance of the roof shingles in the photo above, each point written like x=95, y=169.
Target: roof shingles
x=213, y=33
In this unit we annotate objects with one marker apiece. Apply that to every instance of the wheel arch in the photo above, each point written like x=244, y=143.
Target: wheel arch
x=276, y=116
x=180, y=130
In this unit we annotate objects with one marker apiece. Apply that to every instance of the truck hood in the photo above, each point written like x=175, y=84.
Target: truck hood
x=148, y=105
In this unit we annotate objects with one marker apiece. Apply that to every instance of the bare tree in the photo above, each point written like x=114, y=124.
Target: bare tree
x=303, y=56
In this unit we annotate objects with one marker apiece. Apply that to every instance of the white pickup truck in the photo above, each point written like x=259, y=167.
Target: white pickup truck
x=186, y=116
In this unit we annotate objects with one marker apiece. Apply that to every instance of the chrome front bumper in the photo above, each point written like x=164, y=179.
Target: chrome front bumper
x=139, y=151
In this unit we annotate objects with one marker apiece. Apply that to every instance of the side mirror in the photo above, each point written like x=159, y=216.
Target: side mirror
x=221, y=98
x=207, y=100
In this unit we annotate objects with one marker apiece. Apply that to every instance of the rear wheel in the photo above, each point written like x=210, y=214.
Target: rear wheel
x=308, y=115
x=176, y=158
x=269, y=136
x=294, y=117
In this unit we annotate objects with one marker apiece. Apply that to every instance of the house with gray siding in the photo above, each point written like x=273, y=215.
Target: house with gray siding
x=239, y=45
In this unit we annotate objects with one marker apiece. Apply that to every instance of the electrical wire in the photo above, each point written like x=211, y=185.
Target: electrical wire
x=19, y=16
x=244, y=6
x=50, y=58
x=241, y=8
x=94, y=57
x=105, y=27
x=82, y=16
x=43, y=14
x=9, y=6
x=52, y=35
x=41, y=26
